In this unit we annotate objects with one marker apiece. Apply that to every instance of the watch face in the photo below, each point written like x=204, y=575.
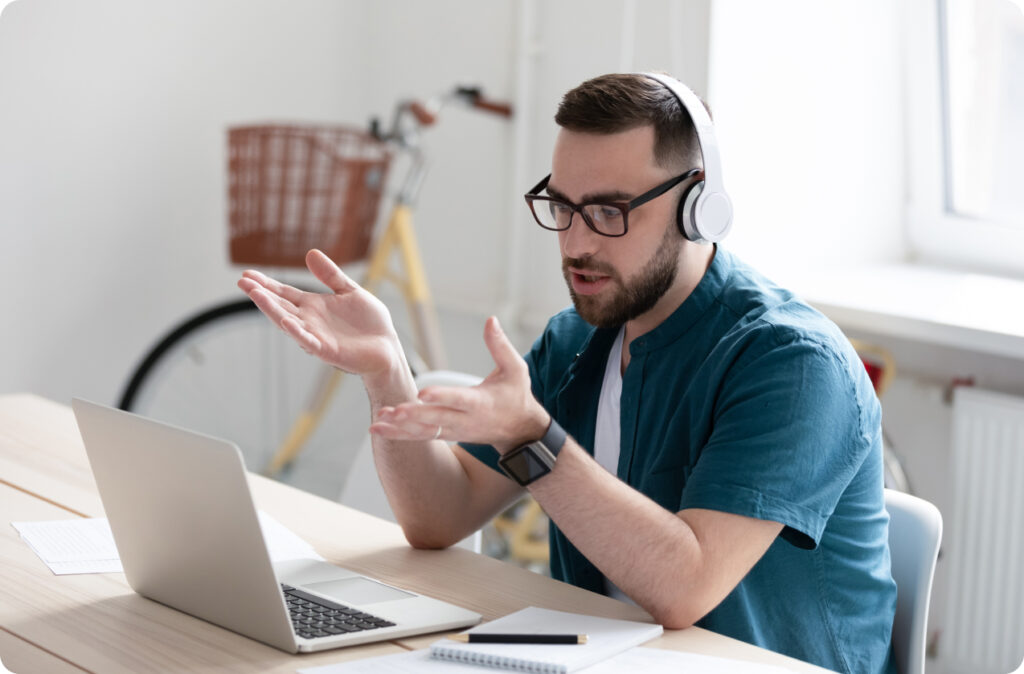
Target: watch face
x=524, y=465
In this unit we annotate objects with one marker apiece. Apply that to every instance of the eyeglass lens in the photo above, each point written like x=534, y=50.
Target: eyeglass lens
x=603, y=218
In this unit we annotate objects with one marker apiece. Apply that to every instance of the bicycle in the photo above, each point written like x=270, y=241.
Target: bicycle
x=226, y=370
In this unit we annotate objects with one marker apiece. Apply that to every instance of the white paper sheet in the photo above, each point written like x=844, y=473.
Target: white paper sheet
x=639, y=659
x=72, y=546
x=284, y=544
x=662, y=661
x=86, y=545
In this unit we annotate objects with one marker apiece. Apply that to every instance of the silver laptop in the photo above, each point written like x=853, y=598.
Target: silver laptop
x=188, y=535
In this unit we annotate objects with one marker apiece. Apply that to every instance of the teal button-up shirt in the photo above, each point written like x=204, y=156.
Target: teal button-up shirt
x=746, y=400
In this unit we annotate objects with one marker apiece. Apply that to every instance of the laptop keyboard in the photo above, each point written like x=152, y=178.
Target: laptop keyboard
x=315, y=617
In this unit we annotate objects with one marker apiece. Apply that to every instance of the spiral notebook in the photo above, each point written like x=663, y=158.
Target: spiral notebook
x=605, y=637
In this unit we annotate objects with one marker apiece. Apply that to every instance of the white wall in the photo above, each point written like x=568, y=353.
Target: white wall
x=112, y=164
x=807, y=99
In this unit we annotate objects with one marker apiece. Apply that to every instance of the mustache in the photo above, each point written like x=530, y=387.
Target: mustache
x=587, y=264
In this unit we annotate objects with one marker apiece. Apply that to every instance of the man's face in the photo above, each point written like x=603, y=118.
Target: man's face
x=615, y=280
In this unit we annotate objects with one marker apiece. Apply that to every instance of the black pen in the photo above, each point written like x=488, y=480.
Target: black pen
x=485, y=638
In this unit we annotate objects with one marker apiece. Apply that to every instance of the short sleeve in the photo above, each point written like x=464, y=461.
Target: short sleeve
x=485, y=454
x=789, y=434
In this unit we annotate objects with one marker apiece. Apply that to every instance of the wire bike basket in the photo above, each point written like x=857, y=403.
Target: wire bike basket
x=296, y=187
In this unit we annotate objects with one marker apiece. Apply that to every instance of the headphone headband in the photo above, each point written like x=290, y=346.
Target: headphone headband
x=708, y=211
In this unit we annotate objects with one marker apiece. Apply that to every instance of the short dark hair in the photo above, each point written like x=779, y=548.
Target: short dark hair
x=621, y=102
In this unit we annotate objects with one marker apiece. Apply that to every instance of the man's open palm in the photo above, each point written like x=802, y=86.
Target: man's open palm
x=348, y=327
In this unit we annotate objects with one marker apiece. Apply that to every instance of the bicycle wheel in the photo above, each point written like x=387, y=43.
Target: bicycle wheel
x=228, y=372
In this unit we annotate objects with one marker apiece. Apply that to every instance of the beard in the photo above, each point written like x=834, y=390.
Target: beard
x=629, y=299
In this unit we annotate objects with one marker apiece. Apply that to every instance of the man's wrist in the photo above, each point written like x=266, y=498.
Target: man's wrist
x=532, y=430
x=393, y=383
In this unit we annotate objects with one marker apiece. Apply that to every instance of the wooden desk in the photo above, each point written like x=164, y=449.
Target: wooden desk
x=96, y=623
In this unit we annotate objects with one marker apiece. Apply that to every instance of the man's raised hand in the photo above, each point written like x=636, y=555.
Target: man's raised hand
x=347, y=327
x=499, y=411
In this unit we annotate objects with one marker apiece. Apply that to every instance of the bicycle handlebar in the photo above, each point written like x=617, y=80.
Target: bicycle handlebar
x=422, y=114
x=425, y=113
x=474, y=96
x=503, y=109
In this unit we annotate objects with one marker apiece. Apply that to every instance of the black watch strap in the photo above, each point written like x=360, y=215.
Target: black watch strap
x=554, y=437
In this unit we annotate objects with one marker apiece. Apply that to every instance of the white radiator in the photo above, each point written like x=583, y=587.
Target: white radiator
x=985, y=623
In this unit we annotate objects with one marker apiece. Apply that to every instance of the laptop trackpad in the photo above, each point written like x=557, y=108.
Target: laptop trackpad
x=357, y=591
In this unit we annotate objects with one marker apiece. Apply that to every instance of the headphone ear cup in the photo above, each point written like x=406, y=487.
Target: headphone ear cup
x=686, y=216
x=704, y=217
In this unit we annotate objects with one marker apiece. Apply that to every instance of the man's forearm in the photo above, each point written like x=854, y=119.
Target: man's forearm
x=424, y=481
x=647, y=551
x=674, y=570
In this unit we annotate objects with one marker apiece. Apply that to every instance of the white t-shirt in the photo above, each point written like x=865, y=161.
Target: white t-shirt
x=608, y=430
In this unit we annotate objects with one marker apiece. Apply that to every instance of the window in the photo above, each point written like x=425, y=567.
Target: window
x=984, y=90
x=964, y=96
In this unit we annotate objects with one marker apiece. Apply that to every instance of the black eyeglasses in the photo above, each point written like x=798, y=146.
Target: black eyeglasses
x=607, y=218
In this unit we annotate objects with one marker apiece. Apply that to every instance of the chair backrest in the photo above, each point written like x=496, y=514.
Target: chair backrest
x=915, y=531
x=362, y=489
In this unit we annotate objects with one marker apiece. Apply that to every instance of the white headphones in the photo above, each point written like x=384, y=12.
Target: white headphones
x=705, y=211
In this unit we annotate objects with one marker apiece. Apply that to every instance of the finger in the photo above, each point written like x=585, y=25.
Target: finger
x=391, y=423
x=282, y=290
x=306, y=339
x=420, y=419
x=248, y=286
x=401, y=432
x=460, y=398
x=327, y=272
x=504, y=354
x=271, y=305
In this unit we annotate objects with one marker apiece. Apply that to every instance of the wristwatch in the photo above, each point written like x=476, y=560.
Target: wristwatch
x=534, y=460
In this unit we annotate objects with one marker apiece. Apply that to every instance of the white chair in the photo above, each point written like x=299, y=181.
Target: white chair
x=915, y=531
x=362, y=489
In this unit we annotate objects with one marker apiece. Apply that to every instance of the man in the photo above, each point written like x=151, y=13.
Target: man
x=723, y=459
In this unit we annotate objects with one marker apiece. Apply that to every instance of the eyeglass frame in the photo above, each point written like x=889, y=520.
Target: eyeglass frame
x=623, y=206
